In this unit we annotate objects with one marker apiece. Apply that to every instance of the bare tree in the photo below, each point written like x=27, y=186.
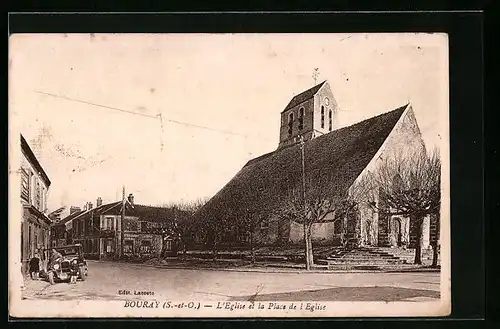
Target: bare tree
x=184, y=212
x=214, y=223
x=322, y=198
x=410, y=186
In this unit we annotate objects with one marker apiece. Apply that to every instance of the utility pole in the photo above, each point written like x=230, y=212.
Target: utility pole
x=122, y=225
x=308, y=265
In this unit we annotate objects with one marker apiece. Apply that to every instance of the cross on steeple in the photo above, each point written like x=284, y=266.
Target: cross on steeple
x=315, y=75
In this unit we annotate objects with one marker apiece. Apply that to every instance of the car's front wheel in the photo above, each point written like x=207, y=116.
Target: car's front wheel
x=81, y=272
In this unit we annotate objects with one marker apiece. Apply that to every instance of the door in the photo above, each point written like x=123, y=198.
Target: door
x=397, y=231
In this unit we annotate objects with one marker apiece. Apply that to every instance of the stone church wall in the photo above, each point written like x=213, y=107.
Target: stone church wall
x=404, y=140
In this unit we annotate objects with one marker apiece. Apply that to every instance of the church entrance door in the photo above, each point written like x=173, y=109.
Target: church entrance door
x=397, y=231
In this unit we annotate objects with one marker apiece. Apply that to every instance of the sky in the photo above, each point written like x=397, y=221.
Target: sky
x=89, y=105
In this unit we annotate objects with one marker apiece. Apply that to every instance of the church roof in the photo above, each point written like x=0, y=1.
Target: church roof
x=304, y=96
x=340, y=155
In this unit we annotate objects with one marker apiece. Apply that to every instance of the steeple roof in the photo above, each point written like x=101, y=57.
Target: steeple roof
x=304, y=96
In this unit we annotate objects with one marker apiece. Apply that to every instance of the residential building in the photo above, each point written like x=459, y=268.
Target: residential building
x=148, y=231
x=35, y=225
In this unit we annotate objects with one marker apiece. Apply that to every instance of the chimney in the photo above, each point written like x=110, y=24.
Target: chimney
x=74, y=209
x=131, y=198
x=90, y=205
x=98, y=202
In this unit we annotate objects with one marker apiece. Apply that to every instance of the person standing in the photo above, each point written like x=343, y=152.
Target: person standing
x=34, y=266
x=54, y=256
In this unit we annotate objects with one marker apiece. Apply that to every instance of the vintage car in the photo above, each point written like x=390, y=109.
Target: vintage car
x=71, y=264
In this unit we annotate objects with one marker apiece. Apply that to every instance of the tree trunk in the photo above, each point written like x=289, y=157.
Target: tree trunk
x=214, y=251
x=435, y=254
x=435, y=244
x=252, y=249
x=309, y=239
x=306, y=243
x=418, y=247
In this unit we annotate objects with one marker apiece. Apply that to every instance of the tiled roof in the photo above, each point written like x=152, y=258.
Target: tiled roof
x=340, y=156
x=155, y=214
x=304, y=96
x=145, y=213
x=85, y=213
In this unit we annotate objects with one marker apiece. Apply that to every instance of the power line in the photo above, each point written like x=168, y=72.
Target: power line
x=148, y=115
x=95, y=104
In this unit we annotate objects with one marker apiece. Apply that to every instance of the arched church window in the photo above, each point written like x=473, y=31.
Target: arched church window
x=322, y=116
x=301, y=118
x=290, y=124
x=330, y=115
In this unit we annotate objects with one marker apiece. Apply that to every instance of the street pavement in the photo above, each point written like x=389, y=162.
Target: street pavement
x=122, y=281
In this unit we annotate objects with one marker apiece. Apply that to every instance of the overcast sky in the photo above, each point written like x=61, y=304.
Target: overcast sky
x=234, y=85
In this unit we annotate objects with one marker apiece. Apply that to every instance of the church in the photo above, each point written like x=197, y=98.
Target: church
x=343, y=155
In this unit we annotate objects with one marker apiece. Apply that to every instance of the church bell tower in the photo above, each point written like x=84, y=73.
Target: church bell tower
x=309, y=114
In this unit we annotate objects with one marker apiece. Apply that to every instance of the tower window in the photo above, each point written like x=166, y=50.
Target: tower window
x=290, y=124
x=322, y=116
x=301, y=118
x=330, y=120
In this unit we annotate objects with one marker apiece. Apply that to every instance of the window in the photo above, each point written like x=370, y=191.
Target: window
x=109, y=223
x=25, y=185
x=322, y=116
x=330, y=114
x=301, y=118
x=37, y=200
x=128, y=246
x=290, y=124
x=42, y=198
x=168, y=245
x=145, y=247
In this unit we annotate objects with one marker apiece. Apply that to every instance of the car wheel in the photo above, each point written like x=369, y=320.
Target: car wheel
x=51, y=277
x=81, y=272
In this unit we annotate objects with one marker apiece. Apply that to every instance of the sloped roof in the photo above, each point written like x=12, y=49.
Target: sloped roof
x=145, y=213
x=85, y=213
x=155, y=214
x=34, y=161
x=304, y=96
x=69, y=217
x=340, y=156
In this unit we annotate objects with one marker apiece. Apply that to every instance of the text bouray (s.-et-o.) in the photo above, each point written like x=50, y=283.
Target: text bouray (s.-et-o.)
x=229, y=305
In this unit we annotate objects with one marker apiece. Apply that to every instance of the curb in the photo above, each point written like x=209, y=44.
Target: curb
x=276, y=270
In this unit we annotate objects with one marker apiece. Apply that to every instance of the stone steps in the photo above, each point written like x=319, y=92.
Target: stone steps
x=361, y=257
x=361, y=261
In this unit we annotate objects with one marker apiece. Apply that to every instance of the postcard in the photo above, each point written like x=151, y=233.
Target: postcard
x=229, y=175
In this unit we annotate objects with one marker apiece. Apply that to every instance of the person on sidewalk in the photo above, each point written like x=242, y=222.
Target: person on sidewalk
x=34, y=266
